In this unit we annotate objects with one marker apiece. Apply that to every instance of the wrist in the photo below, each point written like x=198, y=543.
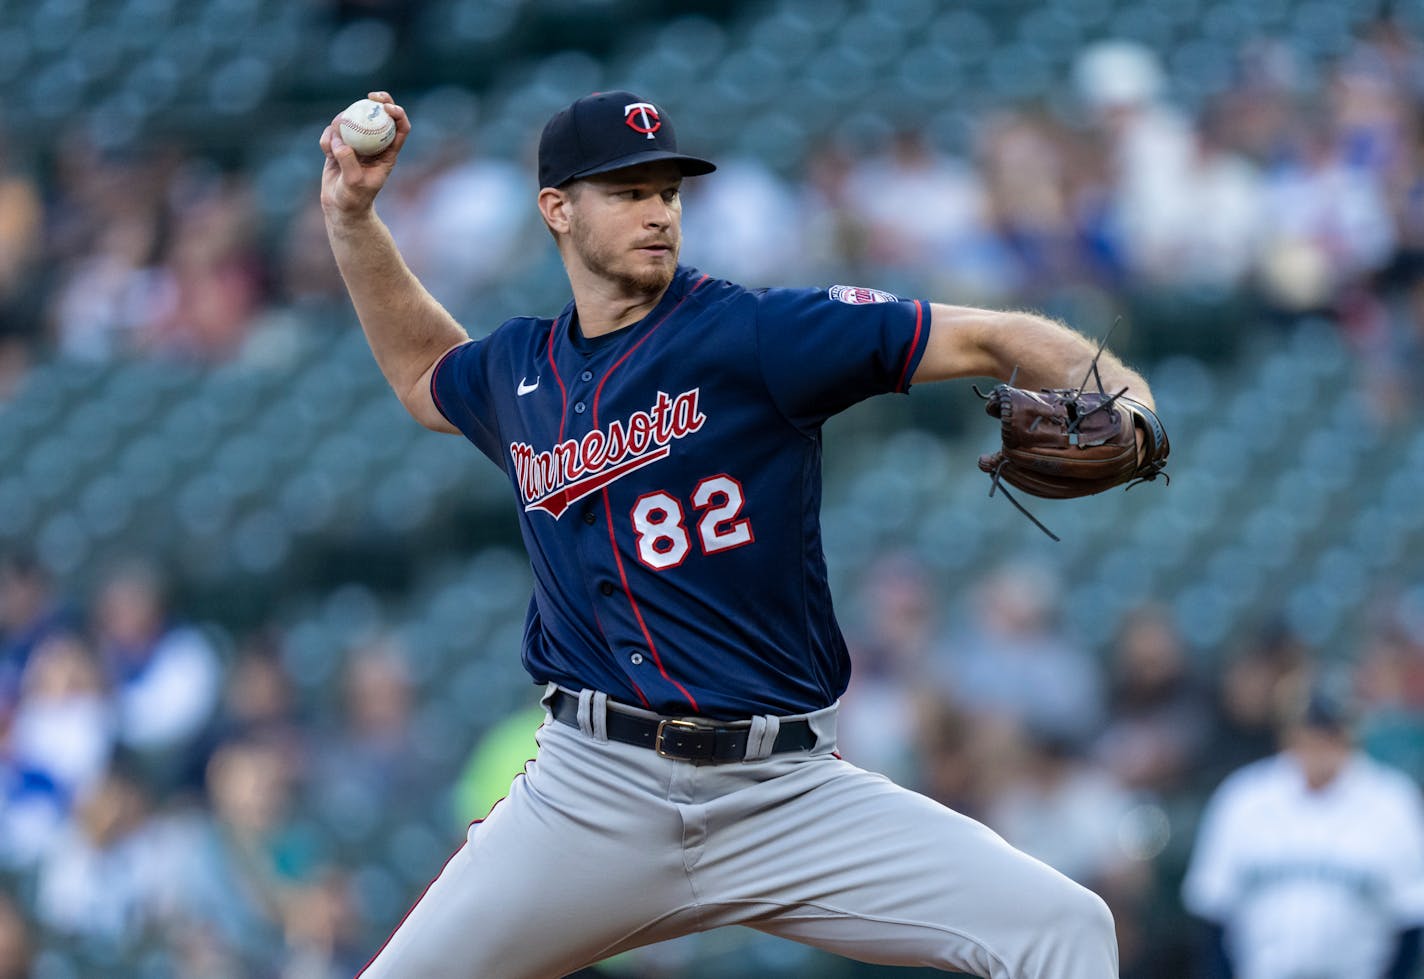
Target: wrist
x=343, y=223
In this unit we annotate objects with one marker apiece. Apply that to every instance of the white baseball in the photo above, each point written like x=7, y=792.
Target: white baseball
x=366, y=127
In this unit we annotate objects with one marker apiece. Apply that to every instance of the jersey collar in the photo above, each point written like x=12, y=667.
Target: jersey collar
x=567, y=323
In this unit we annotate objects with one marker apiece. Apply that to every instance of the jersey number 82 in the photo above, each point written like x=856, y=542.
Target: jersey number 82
x=663, y=541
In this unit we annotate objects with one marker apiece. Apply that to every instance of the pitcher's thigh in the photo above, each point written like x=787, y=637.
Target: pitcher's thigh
x=527, y=897
x=890, y=876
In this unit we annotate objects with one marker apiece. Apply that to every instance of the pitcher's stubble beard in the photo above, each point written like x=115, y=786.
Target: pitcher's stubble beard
x=645, y=279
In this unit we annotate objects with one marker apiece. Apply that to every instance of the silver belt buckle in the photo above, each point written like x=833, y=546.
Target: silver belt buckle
x=662, y=728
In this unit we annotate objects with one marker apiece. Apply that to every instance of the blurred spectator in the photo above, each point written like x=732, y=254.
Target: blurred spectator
x=106, y=296
x=1311, y=862
x=1150, y=143
x=1329, y=200
x=308, y=299
x=458, y=219
x=308, y=296
x=1388, y=328
x=1367, y=105
x=259, y=704
x=257, y=697
x=1015, y=660
x=30, y=612
x=922, y=211
x=1248, y=698
x=965, y=759
x=63, y=727
x=322, y=930
x=1043, y=192
x=1329, y=222
x=378, y=716
x=1389, y=680
x=210, y=282
x=15, y=949
x=1386, y=322
x=836, y=239
x=364, y=761
x=1060, y=808
x=104, y=232
x=55, y=748
x=746, y=225
x=1219, y=254
x=21, y=226
x=307, y=276
x=166, y=676
x=33, y=811
x=1158, y=716
x=231, y=877
x=1046, y=797
x=96, y=884
x=891, y=652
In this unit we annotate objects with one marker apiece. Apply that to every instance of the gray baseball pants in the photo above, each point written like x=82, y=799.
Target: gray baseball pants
x=601, y=847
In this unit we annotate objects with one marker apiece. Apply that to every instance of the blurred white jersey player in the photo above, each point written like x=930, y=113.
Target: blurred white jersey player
x=1310, y=864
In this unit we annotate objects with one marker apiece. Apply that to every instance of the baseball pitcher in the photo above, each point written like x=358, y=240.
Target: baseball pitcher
x=661, y=437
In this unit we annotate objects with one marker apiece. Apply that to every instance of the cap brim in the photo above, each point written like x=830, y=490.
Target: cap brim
x=691, y=166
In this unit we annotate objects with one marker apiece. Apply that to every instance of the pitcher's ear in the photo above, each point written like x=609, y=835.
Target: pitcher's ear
x=554, y=203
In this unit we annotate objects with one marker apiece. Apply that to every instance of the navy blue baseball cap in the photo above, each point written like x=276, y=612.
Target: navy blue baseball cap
x=1322, y=706
x=1329, y=710
x=608, y=131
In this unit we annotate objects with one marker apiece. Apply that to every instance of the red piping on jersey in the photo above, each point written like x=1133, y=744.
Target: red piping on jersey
x=616, y=364
x=637, y=613
x=608, y=507
x=914, y=344
x=564, y=395
x=598, y=620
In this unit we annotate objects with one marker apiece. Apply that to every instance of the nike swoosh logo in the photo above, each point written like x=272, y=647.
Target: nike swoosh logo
x=526, y=388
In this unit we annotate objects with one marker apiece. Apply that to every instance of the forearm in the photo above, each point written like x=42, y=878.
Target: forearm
x=1049, y=354
x=405, y=326
x=1037, y=351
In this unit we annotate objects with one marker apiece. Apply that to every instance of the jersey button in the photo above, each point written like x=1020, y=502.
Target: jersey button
x=587, y=375
x=636, y=659
x=578, y=408
x=606, y=588
x=589, y=518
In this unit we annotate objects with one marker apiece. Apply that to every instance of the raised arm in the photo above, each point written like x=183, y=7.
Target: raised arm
x=968, y=342
x=408, y=330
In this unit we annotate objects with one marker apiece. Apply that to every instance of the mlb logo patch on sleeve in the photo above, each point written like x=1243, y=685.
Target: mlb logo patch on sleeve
x=860, y=296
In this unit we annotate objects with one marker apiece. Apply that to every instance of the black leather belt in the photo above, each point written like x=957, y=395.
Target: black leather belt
x=702, y=742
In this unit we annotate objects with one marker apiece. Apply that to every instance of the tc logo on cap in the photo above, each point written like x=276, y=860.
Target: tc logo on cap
x=642, y=117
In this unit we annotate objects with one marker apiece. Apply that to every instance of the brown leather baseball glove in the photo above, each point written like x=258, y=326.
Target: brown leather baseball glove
x=1066, y=443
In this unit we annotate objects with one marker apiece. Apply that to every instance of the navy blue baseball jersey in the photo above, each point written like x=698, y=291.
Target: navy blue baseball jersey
x=668, y=477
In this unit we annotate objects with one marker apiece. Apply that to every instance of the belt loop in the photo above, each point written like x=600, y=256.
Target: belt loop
x=585, y=709
x=762, y=736
x=599, y=715
x=551, y=690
